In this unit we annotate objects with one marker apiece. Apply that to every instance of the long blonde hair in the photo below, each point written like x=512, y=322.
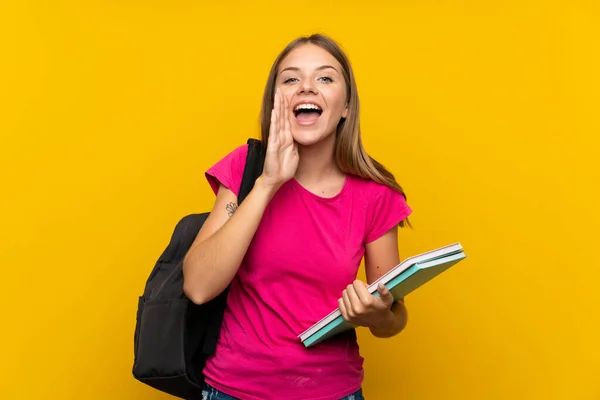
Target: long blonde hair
x=349, y=152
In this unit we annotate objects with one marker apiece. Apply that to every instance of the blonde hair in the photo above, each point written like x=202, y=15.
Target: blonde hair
x=349, y=152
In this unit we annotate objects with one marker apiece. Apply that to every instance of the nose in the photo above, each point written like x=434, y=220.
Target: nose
x=307, y=86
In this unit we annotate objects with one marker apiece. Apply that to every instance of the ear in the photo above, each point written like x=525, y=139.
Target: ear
x=345, y=112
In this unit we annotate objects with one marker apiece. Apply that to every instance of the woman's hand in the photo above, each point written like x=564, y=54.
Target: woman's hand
x=361, y=308
x=281, y=160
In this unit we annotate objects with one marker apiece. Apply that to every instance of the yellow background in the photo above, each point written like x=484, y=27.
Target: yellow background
x=486, y=111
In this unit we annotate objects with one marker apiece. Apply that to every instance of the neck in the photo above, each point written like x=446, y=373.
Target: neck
x=317, y=162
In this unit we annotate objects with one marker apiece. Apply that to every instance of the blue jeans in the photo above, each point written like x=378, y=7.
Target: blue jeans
x=210, y=393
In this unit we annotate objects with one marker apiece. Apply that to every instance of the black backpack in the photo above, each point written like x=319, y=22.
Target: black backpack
x=173, y=336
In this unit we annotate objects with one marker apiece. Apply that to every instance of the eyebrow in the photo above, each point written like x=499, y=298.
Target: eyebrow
x=322, y=67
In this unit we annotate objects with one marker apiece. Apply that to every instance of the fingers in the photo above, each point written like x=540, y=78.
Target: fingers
x=354, y=304
x=386, y=296
x=287, y=128
x=357, y=299
x=362, y=292
x=282, y=114
x=348, y=305
x=343, y=309
x=272, y=131
x=277, y=108
x=281, y=128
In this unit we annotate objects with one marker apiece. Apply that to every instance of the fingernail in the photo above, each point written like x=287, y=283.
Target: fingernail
x=277, y=90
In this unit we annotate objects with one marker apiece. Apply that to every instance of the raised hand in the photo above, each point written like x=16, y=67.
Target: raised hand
x=281, y=160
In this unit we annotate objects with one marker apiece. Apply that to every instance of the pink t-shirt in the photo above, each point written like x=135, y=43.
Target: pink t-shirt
x=306, y=250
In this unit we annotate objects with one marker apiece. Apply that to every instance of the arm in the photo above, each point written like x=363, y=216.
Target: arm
x=220, y=246
x=380, y=314
x=218, y=250
x=381, y=256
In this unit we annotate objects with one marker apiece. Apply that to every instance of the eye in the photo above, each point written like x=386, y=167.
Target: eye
x=326, y=79
x=290, y=80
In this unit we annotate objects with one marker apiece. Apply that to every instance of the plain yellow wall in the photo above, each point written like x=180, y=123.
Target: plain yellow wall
x=486, y=111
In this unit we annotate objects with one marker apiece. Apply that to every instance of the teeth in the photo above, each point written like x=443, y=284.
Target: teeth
x=307, y=107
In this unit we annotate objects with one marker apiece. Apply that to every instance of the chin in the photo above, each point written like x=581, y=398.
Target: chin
x=308, y=138
x=310, y=135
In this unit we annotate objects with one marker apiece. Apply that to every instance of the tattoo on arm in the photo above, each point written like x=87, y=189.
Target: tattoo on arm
x=231, y=207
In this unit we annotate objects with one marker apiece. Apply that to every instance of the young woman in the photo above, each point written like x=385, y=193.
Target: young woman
x=291, y=251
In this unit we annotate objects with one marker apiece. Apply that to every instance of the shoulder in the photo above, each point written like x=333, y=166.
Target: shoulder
x=228, y=170
x=373, y=191
x=232, y=158
x=384, y=206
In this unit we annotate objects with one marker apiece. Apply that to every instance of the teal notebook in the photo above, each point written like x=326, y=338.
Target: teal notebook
x=401, y=280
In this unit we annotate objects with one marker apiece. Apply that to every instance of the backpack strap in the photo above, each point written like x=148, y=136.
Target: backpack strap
x=253, y=169
x=215, y=308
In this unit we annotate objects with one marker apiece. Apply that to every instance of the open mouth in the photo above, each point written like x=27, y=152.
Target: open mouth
x=307, y=113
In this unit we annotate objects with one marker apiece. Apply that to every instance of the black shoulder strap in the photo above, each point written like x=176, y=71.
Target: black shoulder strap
x=253, y=169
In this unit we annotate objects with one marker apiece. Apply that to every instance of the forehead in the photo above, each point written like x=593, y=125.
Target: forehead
x=309, y=57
